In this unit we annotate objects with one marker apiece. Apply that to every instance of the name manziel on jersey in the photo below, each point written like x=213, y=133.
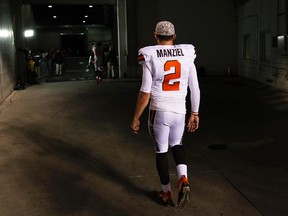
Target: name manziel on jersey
x=169, y=52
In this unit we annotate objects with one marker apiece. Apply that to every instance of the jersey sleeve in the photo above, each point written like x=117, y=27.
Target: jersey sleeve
x=193, y=80
x=192, y=51
x=146, y=79
x=143, y=56
x=144, y=60
x=140, y=58
x=194, y=89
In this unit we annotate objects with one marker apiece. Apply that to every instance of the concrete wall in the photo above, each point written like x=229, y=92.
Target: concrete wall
x=7, y=51
x=255, y=18
x=211, y=26
x=14, y=19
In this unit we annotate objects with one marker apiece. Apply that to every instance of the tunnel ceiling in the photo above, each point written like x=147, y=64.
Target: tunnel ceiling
x=69, y=15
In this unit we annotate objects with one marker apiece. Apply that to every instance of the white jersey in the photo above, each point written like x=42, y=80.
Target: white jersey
x=168, y=70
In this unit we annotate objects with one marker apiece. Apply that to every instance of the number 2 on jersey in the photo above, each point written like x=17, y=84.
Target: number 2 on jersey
x=174, y=86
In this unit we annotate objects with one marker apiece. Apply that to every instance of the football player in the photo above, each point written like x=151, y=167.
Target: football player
x=168, y=71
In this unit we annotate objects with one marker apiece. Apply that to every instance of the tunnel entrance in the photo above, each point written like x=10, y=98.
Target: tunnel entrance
x=74, y=44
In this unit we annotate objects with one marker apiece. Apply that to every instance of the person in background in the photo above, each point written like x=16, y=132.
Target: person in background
x=59, y=61
x=30, y=67
x=37, y=64
x=111, y=60
x=92, y=58
x=168, y=71
x=99, y=67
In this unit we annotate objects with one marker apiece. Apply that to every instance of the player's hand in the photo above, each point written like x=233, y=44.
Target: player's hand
x=135, y=126
x=193, y=123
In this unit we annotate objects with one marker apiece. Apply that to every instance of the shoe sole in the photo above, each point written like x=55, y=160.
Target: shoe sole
x=185, y=196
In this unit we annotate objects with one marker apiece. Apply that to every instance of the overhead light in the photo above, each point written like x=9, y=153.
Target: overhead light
x=4, y=33
x=90, y=6
x=84, y=21
x=86, y=16
x=28, y=33
x=50, y=6
x=54, y=17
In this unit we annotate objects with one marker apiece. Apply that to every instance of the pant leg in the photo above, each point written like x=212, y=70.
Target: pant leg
x=57, y=70
x=112, y=71
x=60, y=69
x=108, y=69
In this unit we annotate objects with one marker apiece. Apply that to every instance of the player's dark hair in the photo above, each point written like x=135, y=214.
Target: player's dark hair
x=164, y=38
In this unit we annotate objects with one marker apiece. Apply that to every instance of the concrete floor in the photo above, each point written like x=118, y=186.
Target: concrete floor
x=66, y=150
